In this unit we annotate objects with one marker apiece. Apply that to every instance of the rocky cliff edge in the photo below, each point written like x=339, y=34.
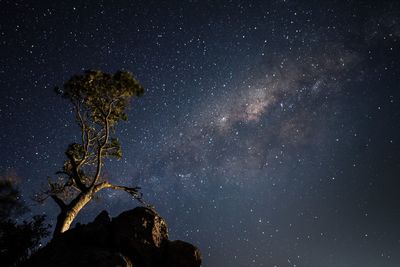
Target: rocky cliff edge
x=135, y=238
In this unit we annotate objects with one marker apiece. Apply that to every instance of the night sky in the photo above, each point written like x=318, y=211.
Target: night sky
x=268, y=135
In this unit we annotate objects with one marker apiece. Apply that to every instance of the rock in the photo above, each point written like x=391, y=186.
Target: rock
x=181, y=254
x=141, y=225
x=84, y=258
x=140, y=233
x=135, y=238
x=102, y=219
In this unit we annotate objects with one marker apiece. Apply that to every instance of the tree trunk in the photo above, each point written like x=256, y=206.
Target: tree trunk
x=68, y=214
x=70, y=211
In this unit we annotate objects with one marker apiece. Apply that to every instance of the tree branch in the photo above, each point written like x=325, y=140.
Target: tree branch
x=85, y=135
x=59, y=202
x=100, y=147
x=133, y=191
x=82, y=124
x=75, y=175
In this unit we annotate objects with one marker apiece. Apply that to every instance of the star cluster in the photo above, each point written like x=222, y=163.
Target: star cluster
x=268, y=134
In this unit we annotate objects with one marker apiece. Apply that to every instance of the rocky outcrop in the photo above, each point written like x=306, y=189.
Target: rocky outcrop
x=135, y=238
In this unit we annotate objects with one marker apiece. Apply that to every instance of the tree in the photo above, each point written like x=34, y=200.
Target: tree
x=11, y=204
x=100, y=100
x=17, y=241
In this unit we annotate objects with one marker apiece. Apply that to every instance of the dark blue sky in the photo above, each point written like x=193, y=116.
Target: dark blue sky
x=268, y=134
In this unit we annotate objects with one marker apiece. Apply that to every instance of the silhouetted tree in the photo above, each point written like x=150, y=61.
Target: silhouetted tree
x=100, y=100
x=17, y=241
x=11, y=204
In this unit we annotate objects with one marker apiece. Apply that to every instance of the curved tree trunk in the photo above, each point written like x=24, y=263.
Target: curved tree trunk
x=69, y=213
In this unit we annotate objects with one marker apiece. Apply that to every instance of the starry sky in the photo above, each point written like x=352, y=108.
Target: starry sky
x=268, y=135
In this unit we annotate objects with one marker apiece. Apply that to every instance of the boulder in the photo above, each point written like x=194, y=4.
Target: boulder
x=135, y=238
x=181, y=254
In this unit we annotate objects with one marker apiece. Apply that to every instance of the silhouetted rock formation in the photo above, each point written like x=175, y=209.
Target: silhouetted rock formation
x=135, y=238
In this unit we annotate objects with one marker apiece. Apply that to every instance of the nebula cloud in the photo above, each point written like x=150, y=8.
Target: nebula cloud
x=277, y=107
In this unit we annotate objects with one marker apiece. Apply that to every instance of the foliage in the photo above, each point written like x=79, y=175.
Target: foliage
x=17, y=241
x=10, y=202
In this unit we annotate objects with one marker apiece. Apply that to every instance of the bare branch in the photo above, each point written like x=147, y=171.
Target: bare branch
x=133, y=191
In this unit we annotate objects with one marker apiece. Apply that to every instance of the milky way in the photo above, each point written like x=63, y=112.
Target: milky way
x=268, y=134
